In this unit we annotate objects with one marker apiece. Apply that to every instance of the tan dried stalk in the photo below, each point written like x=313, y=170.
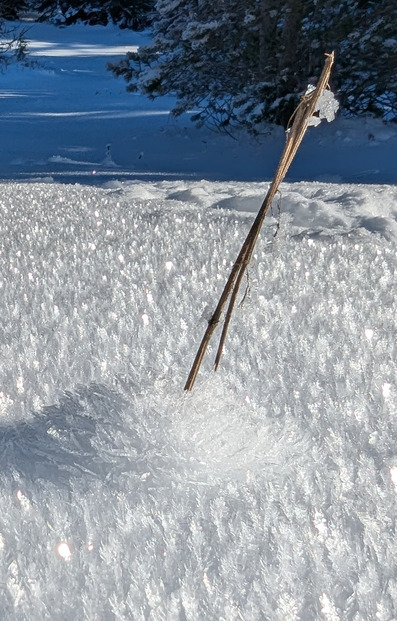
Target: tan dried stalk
x=294, y=138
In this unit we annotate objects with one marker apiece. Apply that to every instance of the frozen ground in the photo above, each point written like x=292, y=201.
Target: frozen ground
x=269, y=492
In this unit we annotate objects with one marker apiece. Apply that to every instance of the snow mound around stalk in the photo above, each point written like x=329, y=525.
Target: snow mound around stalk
x=227, y=438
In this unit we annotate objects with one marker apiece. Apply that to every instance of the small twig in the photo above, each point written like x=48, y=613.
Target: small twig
x=229, y=315
x=278, y=223
x=247, y=290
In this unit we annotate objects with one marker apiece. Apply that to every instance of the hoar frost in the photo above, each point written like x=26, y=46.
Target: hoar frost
x=326, y=107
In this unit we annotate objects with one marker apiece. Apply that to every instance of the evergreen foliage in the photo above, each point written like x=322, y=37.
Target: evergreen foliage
x=132, y=14
x=12, y=44
x=365, y=37
x=245, y=62
x=10, y=9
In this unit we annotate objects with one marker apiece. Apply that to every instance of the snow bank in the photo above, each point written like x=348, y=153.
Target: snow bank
x=269, y=492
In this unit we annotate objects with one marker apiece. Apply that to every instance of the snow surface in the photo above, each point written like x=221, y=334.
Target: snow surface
x=269, y=492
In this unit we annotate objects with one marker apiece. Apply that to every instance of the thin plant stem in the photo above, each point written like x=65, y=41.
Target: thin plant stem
x=294, y=138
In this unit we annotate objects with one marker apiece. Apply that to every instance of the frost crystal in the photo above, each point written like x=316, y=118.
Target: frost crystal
x=64, y=551
x=368, y=333
x=386, y=390
x=326, y=108
x=393, y=475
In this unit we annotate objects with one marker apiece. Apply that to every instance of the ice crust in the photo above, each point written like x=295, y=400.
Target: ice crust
x=267, y=493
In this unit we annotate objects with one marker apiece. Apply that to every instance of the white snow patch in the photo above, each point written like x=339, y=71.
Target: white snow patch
x=369, y=333
x=386, y=390
x=64, y=551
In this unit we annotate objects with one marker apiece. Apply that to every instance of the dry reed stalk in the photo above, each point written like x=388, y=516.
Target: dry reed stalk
x=294, y=138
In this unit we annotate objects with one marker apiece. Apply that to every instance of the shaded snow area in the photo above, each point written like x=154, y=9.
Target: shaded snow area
x=269, y=492
x=64, y=117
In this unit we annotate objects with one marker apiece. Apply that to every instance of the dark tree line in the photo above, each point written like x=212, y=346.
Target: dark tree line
x=244, y=62
x=126, y=13
x=134, y=14
x=12, y=41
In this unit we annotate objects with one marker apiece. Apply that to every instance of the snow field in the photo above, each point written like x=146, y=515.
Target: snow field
x=268, y=492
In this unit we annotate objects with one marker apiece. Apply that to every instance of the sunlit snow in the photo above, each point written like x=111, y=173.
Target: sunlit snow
x=49, y=48
x=269, y=492
x=276, y=474
x=64, y=551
